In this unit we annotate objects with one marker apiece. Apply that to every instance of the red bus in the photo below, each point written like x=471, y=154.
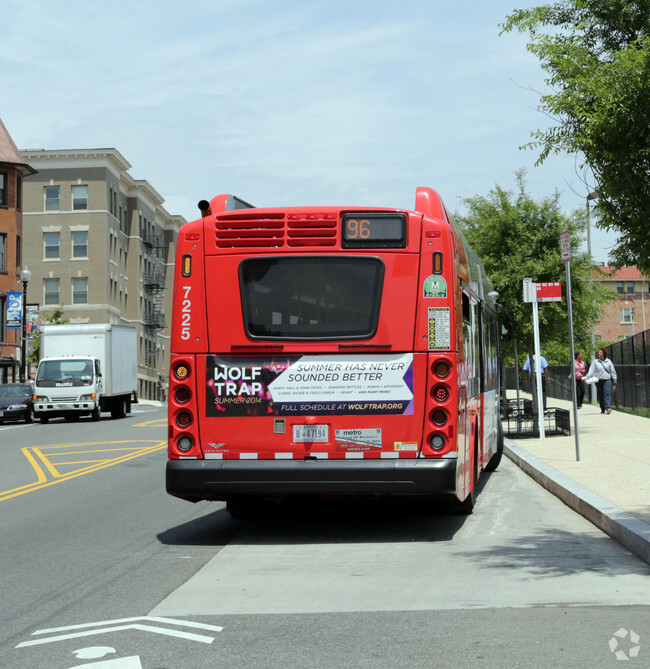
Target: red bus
x=330, y=350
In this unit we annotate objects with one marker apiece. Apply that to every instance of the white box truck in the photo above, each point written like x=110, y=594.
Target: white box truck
x=86, y=369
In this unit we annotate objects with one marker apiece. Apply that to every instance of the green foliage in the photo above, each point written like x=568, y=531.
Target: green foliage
x=516, y=238
x=57, y=317
x=597, y=56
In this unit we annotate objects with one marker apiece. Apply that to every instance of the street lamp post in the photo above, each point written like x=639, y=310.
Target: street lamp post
x=25, y=276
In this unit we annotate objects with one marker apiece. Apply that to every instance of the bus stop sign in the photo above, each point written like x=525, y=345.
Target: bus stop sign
x=550, y=291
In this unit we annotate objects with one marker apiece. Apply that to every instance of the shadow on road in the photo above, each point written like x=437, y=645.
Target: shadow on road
x=328, y=519
x=552, y=553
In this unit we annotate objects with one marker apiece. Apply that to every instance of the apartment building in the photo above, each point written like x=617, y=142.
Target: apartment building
x=13, y=170
x=100, y=245
x=630, y=312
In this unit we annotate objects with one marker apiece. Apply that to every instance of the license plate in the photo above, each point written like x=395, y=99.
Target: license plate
x=2, y=413
x=311, y=433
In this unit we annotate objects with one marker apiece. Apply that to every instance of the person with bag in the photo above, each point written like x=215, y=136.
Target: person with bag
x=603, y=372
x=580, y=368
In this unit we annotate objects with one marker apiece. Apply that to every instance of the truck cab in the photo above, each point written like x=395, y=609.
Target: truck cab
x=68, y=386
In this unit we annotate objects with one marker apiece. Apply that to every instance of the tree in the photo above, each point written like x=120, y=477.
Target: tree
x=597, y=56
x=57, y=317
x=516, y=237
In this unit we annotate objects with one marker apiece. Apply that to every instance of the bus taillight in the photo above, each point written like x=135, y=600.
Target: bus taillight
x=183, y=419
x=181, y=371
x=440, y=393
x=437, y=441
x=439, y=417
x=182, y=394
x=185, y=442
x=441, y=368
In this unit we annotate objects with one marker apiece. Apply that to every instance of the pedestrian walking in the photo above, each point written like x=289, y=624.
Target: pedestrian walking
x=602, y=369
x=580, y=368
x=545, y=374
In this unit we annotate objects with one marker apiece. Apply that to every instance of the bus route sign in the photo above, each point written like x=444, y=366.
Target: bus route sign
x=549, y=291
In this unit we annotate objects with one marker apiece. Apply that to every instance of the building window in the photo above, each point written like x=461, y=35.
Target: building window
x=51, y=242
x=19, y=192
x=3, y=252
x=79, y=197
x=4, y=183
x=79, y=291
x=627, y=315
x=19, y=256
x=51, y=291
x=80, y=244
x=52, y=197
x=625, y=287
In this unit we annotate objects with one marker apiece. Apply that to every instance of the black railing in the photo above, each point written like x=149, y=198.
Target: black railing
x=153, y=318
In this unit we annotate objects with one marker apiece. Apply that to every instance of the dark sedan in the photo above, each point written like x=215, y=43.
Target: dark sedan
x=16, y=402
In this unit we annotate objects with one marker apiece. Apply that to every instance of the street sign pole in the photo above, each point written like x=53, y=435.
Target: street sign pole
x=530, y=295
x=538, y=373
x=565, y=246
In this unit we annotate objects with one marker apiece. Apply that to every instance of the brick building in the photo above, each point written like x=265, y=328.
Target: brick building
x=13, y=169
x=630, y=312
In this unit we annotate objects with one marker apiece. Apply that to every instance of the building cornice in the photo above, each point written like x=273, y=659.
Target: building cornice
x=70, y=158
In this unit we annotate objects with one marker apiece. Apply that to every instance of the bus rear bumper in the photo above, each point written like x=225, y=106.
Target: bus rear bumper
x=195, y=480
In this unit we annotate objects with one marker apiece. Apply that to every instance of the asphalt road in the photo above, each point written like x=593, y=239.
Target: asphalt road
x=101, y=569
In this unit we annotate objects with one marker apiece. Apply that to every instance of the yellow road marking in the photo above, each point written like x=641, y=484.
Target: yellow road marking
x=57, y=477
x=45, y=461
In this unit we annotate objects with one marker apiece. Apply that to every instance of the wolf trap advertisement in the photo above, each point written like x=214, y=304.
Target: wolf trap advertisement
x=309, y=385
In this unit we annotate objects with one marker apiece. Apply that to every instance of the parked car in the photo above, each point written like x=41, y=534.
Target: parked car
x=16, y=402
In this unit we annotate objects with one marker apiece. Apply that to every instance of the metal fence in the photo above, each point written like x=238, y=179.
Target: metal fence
x=630, y=356
x=631, y=350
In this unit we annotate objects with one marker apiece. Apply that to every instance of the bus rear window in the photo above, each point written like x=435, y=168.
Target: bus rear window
x=320, y=297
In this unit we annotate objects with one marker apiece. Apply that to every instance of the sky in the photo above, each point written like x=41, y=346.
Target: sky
x=286, y=102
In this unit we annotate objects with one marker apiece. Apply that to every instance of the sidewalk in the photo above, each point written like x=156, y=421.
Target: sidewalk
x=610, y=484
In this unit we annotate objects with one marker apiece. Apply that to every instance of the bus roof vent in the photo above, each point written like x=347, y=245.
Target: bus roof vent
x=249, y=230
x=256, y=229
x=311, y=230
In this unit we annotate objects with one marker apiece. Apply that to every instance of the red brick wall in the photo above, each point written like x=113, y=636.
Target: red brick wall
x=610, y=328
x=11, y=223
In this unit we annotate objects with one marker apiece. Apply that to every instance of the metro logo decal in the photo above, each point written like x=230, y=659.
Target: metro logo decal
x=309, y=385
x=435, y=286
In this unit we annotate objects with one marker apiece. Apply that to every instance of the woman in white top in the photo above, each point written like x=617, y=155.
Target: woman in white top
x=602, y=369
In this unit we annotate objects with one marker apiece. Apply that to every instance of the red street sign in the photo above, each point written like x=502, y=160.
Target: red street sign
x=550, y=291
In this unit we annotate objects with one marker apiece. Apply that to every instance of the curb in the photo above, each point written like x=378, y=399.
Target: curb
x=627, y=529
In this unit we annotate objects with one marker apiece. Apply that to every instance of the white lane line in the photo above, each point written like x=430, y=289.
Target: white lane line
x=117, y=626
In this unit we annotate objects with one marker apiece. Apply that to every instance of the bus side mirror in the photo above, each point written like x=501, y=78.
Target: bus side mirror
x=507, y=332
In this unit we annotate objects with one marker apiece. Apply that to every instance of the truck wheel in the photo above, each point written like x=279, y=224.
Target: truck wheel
x=118, y=408
x=45, y=420
x=95, y=415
